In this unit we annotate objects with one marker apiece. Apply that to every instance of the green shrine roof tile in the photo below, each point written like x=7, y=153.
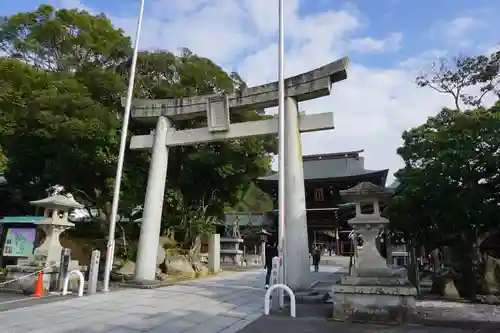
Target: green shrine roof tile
x=365, y=189
x=327, y=166
x=21, y=219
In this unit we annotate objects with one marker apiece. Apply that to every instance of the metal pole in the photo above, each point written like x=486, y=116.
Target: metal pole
x=121, y=155
x=281, y=143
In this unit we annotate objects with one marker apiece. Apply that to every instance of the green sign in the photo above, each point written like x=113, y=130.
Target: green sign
x=19, y=242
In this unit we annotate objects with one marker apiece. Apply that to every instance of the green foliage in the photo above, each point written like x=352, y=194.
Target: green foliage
x=63, y=39
x=254, y=200
x=451, y=184
x=53, y=127
x=61, y=83
x=58, y=105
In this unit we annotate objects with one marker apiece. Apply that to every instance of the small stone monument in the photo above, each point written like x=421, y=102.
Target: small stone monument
x=55, y=222
x=373, y=291
x=230, y=245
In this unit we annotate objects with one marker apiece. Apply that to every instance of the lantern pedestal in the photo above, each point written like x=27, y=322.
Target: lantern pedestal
x=373, y=292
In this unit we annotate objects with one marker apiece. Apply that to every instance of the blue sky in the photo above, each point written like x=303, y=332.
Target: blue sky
x=416, y=20
x=389, y=42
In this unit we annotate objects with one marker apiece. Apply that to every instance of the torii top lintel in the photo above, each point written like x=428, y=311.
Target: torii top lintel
x=303, y=87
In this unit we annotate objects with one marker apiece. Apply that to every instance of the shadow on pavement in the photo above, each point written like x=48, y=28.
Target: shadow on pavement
x=274, y=324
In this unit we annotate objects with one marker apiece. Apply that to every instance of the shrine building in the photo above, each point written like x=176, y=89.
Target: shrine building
x=325, y=175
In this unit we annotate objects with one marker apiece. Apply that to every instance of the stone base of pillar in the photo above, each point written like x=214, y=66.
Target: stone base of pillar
x=384, y=304
x=374, y=298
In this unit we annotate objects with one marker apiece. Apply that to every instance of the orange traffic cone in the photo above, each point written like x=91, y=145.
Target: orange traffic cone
x=39, y=285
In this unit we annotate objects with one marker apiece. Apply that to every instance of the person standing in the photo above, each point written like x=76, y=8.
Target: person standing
x=271, y=252
x=316, y=256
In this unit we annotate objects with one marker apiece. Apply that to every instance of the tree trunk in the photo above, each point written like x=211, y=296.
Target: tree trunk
x=436, y=262
x=446, y=255
x=467, y=281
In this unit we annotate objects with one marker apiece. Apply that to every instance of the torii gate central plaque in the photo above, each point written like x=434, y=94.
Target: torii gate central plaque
x=217, y=109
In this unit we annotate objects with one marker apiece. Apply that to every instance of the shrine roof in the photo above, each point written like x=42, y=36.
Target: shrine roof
x=332, y=166
x=365, y=189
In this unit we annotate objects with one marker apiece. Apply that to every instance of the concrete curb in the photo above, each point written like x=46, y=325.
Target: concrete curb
x=143, y=285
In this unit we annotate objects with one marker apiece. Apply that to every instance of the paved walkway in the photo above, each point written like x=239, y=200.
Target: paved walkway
x=221, y=304
x=275, y=324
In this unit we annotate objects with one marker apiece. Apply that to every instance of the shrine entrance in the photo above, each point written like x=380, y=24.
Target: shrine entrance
x=324, y=176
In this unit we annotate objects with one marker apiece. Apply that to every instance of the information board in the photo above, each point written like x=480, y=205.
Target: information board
x=19, y=242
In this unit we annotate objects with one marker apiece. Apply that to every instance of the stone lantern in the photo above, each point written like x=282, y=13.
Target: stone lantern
x=54, y=223
x=56, y=213
x=373, y=291
x=369, y=262
x=264, y=235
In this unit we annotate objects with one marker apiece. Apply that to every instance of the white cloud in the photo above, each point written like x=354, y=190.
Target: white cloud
x=372, y=107
x=458, y=32
x=73, y=4
x=459, y=27
x=422, y=61
x=368, y=44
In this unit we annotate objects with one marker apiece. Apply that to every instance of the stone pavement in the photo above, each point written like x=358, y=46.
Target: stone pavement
x=221, y=304
x=11, y=302
x=276, y=324
x=312, y=318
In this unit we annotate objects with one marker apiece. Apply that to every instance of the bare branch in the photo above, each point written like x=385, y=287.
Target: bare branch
x=459, y=75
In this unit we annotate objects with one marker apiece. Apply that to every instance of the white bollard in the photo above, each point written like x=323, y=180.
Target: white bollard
x=290, y=294
x=93, y=272
x=80, y=286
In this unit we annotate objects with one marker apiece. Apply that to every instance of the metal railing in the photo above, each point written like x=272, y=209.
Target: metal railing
x=267, y=298
x=80, y=286
x=42, y=269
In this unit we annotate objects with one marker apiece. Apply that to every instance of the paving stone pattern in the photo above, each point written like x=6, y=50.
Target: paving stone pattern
x=222, y=304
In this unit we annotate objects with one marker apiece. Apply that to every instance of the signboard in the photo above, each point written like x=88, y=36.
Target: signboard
x=218, y=113
x=19, y=242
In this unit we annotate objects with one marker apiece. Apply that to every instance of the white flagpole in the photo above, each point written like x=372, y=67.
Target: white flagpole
x=121, y=155
x=281, y=151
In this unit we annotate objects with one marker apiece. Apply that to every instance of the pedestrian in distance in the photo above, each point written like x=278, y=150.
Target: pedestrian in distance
x=316, y=256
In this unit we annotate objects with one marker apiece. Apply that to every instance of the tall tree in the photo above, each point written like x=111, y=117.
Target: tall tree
x=467, y=79
x=60, y=89
x=451, y=186
x=63, y=39
x=60, y=105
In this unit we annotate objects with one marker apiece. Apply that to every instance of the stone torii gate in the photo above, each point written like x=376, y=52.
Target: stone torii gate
x=217, y=108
